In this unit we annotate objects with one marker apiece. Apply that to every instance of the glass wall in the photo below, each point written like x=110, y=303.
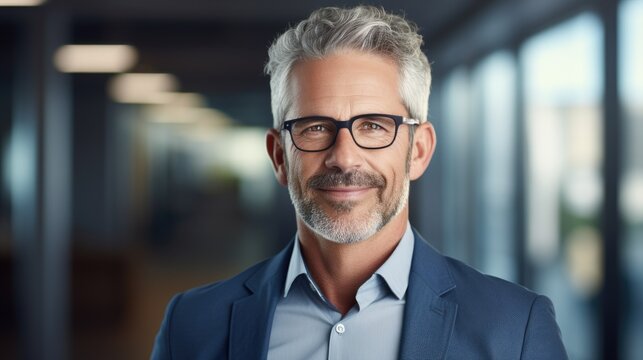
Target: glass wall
x=631, y=194
x=562, y=71
x=7, y=303
x=477, y=124
x=494, y=118
x=456, y=149
x=542, y=119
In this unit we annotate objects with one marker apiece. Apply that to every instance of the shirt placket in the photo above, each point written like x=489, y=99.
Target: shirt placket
x=338, y=340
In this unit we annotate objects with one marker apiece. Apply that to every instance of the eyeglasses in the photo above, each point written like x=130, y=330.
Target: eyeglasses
x=369, y=131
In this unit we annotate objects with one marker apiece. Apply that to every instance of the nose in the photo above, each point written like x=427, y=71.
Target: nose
x=345, y=155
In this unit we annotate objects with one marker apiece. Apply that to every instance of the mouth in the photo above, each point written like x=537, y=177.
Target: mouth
x=346, y=188
x=345, y=193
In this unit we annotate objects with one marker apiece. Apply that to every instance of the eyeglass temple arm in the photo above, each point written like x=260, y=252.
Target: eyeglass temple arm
x=410, y=121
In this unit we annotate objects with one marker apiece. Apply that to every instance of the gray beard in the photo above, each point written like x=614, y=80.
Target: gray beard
x=357, y=228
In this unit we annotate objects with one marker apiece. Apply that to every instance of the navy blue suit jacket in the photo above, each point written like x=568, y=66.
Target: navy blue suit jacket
x=452, y=312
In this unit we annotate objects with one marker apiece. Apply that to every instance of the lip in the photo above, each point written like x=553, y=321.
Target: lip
x=345, y=193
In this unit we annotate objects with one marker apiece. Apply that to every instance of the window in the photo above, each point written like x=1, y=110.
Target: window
x=494, y=99
x=456, y=130
x=563, y=95
x=631, y=192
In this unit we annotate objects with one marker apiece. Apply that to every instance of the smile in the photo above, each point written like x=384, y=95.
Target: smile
x=345, y=193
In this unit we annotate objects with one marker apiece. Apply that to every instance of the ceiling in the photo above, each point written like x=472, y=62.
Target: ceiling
x=220, y=46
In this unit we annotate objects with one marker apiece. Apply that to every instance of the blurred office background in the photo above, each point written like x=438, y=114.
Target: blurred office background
x=132, y=171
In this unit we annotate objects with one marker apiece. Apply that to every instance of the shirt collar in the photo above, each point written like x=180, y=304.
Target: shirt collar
x=296, y=267
x=395, y=270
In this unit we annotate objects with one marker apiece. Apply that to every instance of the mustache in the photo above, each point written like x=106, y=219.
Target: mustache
x=353, y=178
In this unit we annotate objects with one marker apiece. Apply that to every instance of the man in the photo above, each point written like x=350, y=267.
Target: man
x=350, y=94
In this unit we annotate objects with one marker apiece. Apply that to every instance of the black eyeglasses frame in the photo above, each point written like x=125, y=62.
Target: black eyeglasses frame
x=348, y=124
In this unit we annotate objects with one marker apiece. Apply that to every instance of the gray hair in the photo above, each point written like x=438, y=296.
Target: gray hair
x=363, y=28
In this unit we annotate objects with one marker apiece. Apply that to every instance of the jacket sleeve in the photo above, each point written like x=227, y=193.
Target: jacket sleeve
x=542, y=336
x=162, y=346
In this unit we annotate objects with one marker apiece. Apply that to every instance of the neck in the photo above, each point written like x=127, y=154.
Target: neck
x=340, y=269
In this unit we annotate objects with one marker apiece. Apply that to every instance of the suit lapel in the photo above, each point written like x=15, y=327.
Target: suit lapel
x=251, y=319
x=428, y=317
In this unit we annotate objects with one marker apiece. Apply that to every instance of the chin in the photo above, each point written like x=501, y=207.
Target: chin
x=346, y=228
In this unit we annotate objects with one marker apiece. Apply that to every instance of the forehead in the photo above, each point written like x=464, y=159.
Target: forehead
x=346, y=84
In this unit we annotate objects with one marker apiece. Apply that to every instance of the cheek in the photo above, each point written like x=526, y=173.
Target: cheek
x=300, y=168
x=396, y=175
x=394, y=166
x=396, y=180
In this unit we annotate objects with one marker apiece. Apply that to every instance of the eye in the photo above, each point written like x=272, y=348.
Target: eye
x=371, y=126
x=313, y=128
x=374, y=124
x=316, y=128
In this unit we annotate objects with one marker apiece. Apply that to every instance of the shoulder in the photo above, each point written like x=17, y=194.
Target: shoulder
x=217, y=295
x=513, y=318
x=193, y=316
x=495, y=318
x=463, y=284
x=225, y=292
x=487, y=289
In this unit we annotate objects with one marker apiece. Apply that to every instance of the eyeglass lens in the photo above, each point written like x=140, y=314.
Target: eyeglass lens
x=368, y=132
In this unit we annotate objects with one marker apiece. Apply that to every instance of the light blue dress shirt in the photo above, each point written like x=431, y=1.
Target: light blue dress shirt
x=307, y=326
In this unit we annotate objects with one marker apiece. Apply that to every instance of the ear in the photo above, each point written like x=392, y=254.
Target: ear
x=276, y=153
x=423, y=147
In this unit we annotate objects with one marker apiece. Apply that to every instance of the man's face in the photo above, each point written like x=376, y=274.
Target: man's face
x=346, y=194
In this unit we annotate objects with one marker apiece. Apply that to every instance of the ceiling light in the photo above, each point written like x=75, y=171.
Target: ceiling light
x=207, y=118
x=183, y=99
x=95, y=58
x=143, y=88
x=21, y=2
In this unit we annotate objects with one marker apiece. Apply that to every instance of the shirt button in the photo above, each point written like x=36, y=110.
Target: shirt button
x=340, y=328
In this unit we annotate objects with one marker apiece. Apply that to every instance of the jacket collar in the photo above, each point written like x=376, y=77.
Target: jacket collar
x=431, y=267
x=251, y=319
x=428, y=317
